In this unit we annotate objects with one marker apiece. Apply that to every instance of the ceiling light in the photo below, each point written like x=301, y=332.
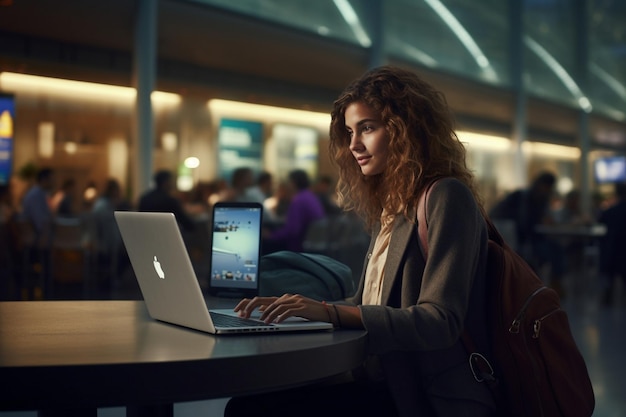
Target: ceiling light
x=10, y=81
x=268, y=113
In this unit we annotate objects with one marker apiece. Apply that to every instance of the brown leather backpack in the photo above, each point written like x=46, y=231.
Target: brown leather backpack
x=536, y=368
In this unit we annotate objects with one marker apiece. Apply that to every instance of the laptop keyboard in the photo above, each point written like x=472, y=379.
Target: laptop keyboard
x=224, y=320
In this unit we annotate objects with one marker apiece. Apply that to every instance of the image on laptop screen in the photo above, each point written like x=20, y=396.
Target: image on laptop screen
x=235, y=249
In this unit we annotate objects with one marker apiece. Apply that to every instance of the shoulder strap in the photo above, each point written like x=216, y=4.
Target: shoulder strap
x=422, y=222
x=480, y=366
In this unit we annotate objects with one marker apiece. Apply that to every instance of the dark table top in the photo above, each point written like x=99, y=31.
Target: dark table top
x=67, y=354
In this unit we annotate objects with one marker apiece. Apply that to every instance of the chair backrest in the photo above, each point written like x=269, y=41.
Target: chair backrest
x=317, y=236
x=68, y=234
x=25, y=233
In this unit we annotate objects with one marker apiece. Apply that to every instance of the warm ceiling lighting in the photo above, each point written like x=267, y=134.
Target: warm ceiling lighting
x=481, y=141
x=10, y=81
x=492, y=143
x=268, y=113
x=551, y=150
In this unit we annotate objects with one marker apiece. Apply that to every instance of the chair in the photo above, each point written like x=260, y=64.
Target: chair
x=7, y=262
x=317, y=236
x=198, y=243
x=350, y=243
x=70, y=254
x=33, y=277
x=105, y=243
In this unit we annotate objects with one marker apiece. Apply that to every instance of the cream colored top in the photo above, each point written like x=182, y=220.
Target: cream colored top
x=375, y=271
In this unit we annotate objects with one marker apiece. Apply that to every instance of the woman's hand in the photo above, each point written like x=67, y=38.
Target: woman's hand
x=277, y=309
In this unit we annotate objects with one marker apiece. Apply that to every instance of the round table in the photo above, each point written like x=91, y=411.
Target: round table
x=63, y=355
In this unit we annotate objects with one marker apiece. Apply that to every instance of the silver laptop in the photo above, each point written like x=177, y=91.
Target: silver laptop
x=169, y=284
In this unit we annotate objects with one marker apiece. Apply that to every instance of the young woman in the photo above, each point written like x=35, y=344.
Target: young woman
x=392, y=135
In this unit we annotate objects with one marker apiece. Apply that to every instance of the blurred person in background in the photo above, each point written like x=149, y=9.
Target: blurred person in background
x=262, y=189
x=218, y=190
x=161, y=198
x=529, y=208
x=37, y=213
x=36, y=206
x=261, y=192
x=277, y=204
x=613, y=244
x=242, y=184
x=89, y=195
x=324, y=188
x=571, y=212
x=304, y=208
x=105, y=236
x=63, y=199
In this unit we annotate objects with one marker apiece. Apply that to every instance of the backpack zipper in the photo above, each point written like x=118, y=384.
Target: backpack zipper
x=537, y=324
x=518, y=320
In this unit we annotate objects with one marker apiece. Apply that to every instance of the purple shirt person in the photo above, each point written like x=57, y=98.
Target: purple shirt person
x=304, y=209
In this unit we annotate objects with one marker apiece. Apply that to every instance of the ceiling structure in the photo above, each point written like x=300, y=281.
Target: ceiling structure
x=257, y=54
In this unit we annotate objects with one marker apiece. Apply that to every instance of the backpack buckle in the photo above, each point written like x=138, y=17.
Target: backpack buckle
x=481, y=368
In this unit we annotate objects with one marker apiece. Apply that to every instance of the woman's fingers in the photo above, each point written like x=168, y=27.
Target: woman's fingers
x=290, y=305
x=246, y=306
x=277, y=309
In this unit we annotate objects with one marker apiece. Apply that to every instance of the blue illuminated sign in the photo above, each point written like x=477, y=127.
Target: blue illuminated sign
x=7, y=122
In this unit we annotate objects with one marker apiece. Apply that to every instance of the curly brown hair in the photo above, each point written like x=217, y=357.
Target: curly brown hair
x=422, y=143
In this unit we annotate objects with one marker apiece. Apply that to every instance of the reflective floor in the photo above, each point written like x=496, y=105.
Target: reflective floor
x=600, y=332
x=599, y=329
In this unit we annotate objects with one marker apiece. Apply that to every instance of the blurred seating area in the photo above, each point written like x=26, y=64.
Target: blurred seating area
x=81, y=263
x=72, y=264
x=342, y=237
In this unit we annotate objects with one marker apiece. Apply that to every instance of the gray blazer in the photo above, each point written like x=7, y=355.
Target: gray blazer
x=427, y=304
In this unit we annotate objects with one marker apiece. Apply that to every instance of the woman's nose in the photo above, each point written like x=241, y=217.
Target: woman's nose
x=355, y=142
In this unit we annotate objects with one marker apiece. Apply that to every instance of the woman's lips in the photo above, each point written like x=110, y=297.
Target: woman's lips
x=362, y=160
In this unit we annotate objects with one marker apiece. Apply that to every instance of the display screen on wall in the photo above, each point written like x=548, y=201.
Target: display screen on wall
x=610, y=169
x=7, y=118
x=296, y=148
x=240, y=144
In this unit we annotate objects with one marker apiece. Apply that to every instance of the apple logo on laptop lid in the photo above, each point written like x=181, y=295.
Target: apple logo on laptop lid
x=158, y=269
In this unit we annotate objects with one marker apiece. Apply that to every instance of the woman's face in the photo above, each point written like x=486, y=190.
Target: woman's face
x=368, y=138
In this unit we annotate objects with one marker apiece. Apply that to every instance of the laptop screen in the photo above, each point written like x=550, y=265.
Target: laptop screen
x=235, y=249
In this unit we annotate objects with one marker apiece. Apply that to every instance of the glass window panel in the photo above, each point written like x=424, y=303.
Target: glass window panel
x=607, y=57
x=549, y=51
x=471, y=38
x=322, y=17
x=462, y=36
